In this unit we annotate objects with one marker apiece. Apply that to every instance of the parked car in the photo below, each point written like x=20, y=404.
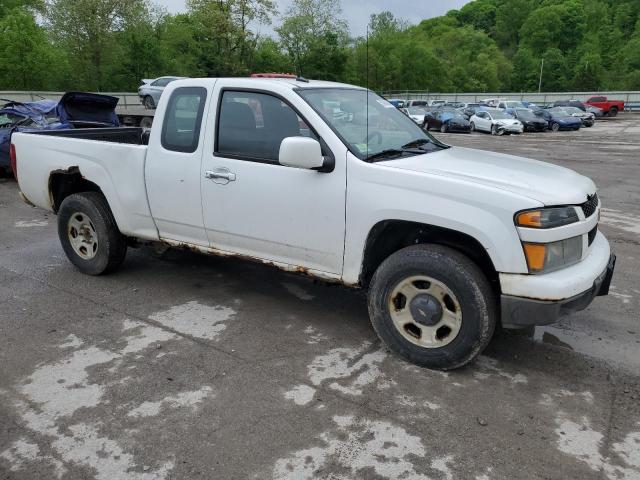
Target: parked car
x=417, y=114
x=447, y=241
x=597, y=112
x=448, y=121
x=73, y=110
x=496, y=122
x=560, y=120
x=469, y=109
x=510, y=105
x=151, y=89
x=588, y=119
x=416, y=103
x=396, y=102
x=609, y=107
x=570, y=103
x=530, y=121
x=530, y=105
x=491, y=102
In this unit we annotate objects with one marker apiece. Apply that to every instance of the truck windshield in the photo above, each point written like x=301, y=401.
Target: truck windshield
x=369, y=126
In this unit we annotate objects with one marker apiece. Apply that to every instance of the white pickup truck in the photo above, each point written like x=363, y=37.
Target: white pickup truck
x=332, y=181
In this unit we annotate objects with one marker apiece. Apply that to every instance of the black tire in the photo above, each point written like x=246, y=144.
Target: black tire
x=472, y=126
x=444, y=128
x=613, y=111
x=494, y=130
x=555, y=127
x=467, y=282
x=111, y=244
x=146, y=122
x=425, y=125
x=149, y=104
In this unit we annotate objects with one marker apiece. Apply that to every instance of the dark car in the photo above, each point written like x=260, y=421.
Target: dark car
x=588, y=119
x=447, y=120
x=558, y=120
x=531, y=121
x=570, y=103
x=74, y=110
x=470, y=109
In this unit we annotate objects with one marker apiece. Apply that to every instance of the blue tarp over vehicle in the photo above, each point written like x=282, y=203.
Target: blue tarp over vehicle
x=74, y=110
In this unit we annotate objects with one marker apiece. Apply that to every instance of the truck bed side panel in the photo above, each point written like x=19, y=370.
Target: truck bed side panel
x=117, y=168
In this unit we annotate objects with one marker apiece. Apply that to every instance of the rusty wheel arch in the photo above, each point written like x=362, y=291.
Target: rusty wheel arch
x=63, y=183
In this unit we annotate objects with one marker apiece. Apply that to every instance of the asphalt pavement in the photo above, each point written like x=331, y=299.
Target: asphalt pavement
x=183, y=366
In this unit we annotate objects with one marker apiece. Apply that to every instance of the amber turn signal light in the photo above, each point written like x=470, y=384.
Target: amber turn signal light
x=535, y=254
x=530, y=219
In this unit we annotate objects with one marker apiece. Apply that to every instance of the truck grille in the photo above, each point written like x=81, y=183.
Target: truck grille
x=591, y=236
x=589, y=207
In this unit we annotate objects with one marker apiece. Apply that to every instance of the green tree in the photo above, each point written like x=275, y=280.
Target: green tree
x=29, y=59
x=313, y=32
x=86, y=30
x=225, y=42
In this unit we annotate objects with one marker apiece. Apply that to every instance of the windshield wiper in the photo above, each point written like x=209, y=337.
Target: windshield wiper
x=416, y=143
x=392, y=152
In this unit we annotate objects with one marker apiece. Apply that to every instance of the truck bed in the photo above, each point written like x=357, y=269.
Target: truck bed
x=128, y=135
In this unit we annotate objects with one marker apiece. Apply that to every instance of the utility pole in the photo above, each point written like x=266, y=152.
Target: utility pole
x=540, y=82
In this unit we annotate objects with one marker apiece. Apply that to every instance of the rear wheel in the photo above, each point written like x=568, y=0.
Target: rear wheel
x=89, y=235
x=146, y=122
x=444, y=128
x=473, y=127
x=613, y=111
x=433, y=306
x=149, y=103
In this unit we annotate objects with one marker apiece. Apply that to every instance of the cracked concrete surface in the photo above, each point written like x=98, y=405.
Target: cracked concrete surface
x=187, y=366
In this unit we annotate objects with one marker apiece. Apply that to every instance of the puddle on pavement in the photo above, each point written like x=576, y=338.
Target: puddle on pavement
x=609, y=349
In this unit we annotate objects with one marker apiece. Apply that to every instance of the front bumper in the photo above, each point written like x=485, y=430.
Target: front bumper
x=520, y=312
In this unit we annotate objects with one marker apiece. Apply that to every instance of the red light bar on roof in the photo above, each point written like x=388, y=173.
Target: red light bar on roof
x=273, y=75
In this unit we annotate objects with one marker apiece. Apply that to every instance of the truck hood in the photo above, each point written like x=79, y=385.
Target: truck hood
x=544, y=182
x=88, y=109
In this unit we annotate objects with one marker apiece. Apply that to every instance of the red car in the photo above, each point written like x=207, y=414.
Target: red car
x=609, y=107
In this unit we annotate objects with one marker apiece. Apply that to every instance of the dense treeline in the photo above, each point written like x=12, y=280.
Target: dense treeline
x=488, y=45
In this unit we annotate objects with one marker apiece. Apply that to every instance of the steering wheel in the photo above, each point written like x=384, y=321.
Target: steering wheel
x=369, y=137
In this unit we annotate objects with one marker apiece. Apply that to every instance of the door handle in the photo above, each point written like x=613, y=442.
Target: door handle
x=220, y=174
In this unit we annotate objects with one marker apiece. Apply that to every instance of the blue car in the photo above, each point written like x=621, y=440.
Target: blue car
x=74, y=110
x=558, y=121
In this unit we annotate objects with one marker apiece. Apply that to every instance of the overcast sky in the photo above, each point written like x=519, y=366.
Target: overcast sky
x=357, y=12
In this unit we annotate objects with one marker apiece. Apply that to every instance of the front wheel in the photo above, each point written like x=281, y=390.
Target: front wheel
x=89, y=234
x=555, y=127
x=433, y=306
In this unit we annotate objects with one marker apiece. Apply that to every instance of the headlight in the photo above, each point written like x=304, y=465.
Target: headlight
x=547, y=257
x=547, y=217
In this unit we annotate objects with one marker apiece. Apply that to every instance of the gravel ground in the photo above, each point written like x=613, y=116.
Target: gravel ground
x=182, y=366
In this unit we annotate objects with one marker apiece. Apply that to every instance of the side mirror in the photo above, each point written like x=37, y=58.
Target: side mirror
x=301, y=152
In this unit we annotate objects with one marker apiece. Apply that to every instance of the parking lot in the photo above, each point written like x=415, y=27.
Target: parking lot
x=185, y=366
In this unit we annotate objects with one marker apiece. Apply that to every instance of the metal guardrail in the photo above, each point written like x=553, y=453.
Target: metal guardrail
x=127, y=99
x=630, y=98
